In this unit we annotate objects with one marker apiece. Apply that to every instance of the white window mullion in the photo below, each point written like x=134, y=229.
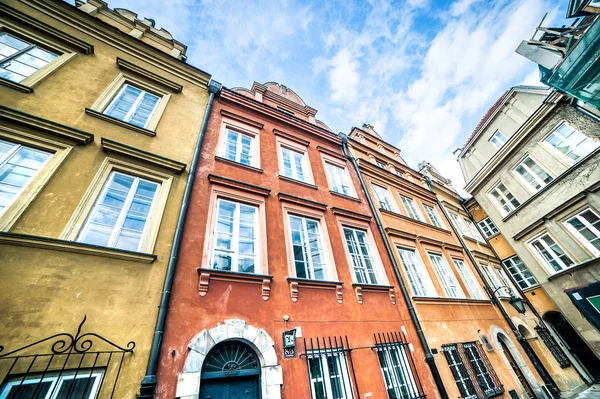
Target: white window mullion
x=235, y=245
x=134, y=106
x=112, y=241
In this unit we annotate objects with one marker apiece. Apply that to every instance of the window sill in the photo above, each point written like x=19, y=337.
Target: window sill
x=310, y=185
x=26, y=240
x=295, y=283
x=118, y=122
x=205, y=275
x=239, y=165
x=475, y=240
x=573, y=268
x=16, y=86
x=351, y=198
x=401, y=216
x=360, y=288
x=427, y=299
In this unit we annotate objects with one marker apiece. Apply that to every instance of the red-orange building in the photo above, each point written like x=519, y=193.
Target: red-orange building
x=279, y=236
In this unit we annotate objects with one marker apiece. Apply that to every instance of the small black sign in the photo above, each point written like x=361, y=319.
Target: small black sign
x=289, y=344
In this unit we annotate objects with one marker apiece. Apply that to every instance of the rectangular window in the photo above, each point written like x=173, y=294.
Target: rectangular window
x=120, y=214
x=329, y=376
x=397, y=373
x=294, y=164
x=488, y=227
x=20, y=59
x=362, y=259
x=383, y=196
x=586, y=227
x=459, y=372
x=309, y=258
x=433, y=217
x=411, y=208
x=460, y=225
x=447, y=278
x=380, y=164
x=19, y=164
x=504, y=198
x=551, y=253
x=418, y=278
x=497, y=284
x=132, y=105
x=469, y=280
x=498, y=139
x=235, y=238
x=239, y=147
x=339, y=180
x=532, y=174
x=84, y=385
x=571, y=144
x=506, y=282
x=520, y=273
x=474, y=231
x=483, y=374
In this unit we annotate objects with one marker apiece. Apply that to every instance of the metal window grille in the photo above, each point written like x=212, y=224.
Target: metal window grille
x=469, y=359
x=330, y=369
x=552, y=345
x=398, y=367
x=63, y=366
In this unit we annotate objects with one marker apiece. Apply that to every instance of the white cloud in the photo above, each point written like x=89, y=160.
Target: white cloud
x=460, y=7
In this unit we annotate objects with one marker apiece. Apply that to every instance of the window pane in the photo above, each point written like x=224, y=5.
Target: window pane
x=123, y=102
x=80, y=388
x=469, y=280
x=383, y=197
x=418, y=278
x=358, y=247
x=446, y=276
x=144, y=110
x=10, y=44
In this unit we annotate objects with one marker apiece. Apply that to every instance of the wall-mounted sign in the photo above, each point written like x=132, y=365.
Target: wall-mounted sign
x=289, y=344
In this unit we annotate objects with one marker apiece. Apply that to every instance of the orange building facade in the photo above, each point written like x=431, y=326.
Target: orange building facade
x=279, y=237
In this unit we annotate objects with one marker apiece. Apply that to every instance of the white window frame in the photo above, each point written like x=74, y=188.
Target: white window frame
x=495, y=281
x=516, y=267
x=395, y=366
x=363, y=266
x=494, y=139
x=329, y=162
x=433, y=216
x=562, y=156
x=460, y=224
x=135, y=105
x=56, y=380
x=309, y=267
x=532, y=173
x=26, y=50
x=418, y=277
x=289, y=145
x=488, y=227
x=238, y=152
x=384, y=198
x=587, y=244
x=469, y=279
x=446, y=276
x=474, y=231
x=509, y=204
x=412, y=210
x=339, y=357
x=543, y=260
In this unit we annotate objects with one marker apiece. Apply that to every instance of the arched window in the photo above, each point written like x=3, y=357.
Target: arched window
x=231, y=358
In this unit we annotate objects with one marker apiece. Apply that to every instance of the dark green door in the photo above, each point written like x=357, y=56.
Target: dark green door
x=230, y=388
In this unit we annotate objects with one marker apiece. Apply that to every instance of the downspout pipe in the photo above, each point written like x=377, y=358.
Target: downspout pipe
x=541, y=369
x=526, y=347
x=148, y=384
x=411, y=310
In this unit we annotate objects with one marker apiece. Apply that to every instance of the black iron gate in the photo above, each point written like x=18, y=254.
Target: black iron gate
x=80, y=366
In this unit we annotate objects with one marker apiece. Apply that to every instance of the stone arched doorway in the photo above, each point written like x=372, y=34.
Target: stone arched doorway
x=234, y=331
x=230, y=370
x=516, y=363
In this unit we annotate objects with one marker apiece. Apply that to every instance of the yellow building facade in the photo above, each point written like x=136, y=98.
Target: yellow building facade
x=99, y=117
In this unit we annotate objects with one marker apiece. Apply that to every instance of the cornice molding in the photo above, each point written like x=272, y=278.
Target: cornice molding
x=331, y=153
x=350, y=214
x=301, y=201
x=291, y=137
x=100, y=30
x=402, y=234
x=124, y=150
x=266, y=110
x=65, y=133
x=126, y=125
x=374, y=139
x=71, y=41
x=228, y=114
x=364, y=148
x=399, y=183
x=131, y=67
x=16, y=86
x=408, y=219
x=54, y=244
x=239, y=185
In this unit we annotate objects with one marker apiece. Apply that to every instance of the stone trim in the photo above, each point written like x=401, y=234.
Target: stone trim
x=100, y=115
x=291, y=137
x=331, y=153
x=289, y=179
x=68, y=134
x=131, y=67
x=16, y=86
x=350, y=214
x=301, y=201
x=113, y=147
x=360, y=288
x=222, y=275
x=240, y=165
x=296, y=283
x=401, y=216
x=240, y=118
x=271, y=378
x=54, y=244
x=239, y=185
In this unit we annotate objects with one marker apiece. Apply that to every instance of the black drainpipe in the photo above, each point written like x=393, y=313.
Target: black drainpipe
x=411, y=310
x=148, y=384
x=541, y=369
x=526, y=347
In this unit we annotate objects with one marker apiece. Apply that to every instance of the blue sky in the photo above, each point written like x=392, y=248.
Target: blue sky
x=422, y=72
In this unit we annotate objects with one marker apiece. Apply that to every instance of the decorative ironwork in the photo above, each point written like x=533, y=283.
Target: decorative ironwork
x=399, y=370
x=63, y=365
x=552, y=345
x=230, y=357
